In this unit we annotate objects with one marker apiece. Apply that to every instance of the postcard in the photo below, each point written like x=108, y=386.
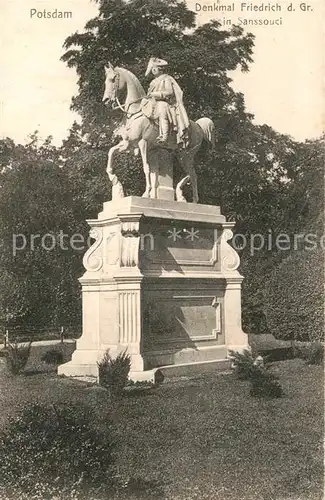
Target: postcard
x=161, y=249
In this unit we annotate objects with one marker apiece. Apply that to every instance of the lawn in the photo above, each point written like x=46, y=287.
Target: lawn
x=205, y=438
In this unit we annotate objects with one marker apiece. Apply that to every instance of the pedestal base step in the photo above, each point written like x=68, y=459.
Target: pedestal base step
x=194, y=369
x=185, y=356
x=70, y=369
x=89, y=372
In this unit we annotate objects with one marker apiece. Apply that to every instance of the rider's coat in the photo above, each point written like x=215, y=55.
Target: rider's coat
x=165, y=90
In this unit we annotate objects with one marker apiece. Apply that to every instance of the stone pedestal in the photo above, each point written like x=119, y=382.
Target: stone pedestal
x=161, y=281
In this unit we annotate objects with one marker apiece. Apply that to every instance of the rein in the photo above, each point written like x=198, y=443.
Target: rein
x=122, y=106
x=119, y=105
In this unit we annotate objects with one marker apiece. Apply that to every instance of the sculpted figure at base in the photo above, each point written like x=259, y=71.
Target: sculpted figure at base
x=179, y=188
x=117, y=188
x=154, y=122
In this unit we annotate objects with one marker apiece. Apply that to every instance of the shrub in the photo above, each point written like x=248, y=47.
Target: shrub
x=243, y=363
x=249, y=367
x=294, y=297
x=53, y=357
x=313, y=353
x=17, y=356
x=264, y=384
x=140, y=383
x=55, y=452
x=113, y=373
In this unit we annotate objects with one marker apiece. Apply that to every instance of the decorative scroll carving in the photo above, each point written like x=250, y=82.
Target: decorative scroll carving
x=111, y=249
x=130, y=251
x=93, y=260
x=229, y=257
x=130, y=241
x=130, y=228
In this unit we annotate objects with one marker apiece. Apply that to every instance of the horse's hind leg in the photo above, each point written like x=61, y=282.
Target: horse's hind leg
x=143, y=147
x=154, y=172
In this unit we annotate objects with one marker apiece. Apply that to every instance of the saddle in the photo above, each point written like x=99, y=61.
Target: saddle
x=147, y=109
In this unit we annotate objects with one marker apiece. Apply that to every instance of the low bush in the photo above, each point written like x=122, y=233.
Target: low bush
x=17, y=356
x=58, y=452
x=140, y=383
x=313, y=353
x=113, y=373
x=264, y=384
x=53, y=357
x=243, y=363
x=251, y=368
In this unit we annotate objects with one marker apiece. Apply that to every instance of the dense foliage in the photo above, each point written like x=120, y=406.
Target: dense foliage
x=294, y=297
x=56, y=452
x=38, y=274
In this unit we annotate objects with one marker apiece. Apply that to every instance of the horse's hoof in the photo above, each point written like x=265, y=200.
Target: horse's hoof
x=146, y=194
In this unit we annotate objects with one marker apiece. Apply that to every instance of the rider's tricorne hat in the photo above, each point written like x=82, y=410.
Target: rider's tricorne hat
x=154, y=62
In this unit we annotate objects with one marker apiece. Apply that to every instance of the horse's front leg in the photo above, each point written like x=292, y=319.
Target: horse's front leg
x=117, y=188
x=121, y=146
x=143, y=147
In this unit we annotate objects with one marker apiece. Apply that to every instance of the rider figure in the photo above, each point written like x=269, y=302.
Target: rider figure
x=167, y=100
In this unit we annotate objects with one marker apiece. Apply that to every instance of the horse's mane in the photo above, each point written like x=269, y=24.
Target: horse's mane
x=131, y=77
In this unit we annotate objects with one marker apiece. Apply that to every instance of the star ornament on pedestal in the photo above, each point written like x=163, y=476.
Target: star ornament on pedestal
x=174, y=234
x=192, y=234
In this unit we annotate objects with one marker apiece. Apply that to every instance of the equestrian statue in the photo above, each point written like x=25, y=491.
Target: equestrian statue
x=152, y=122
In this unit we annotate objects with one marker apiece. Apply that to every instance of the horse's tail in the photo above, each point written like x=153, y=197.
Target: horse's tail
x=209, y=130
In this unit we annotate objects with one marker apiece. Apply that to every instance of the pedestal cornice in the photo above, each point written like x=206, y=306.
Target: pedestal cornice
x=160, y=209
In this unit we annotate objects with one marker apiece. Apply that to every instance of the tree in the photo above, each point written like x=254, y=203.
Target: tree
x=294, y=292
x=128, y=33
x=38, y=278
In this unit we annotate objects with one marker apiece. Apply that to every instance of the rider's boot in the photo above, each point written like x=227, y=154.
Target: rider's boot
x=163, y=131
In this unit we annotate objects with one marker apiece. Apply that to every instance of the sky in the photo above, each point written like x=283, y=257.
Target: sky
x=284, y=87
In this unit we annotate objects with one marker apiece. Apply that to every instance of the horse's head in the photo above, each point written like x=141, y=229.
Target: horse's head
x=113, y=83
